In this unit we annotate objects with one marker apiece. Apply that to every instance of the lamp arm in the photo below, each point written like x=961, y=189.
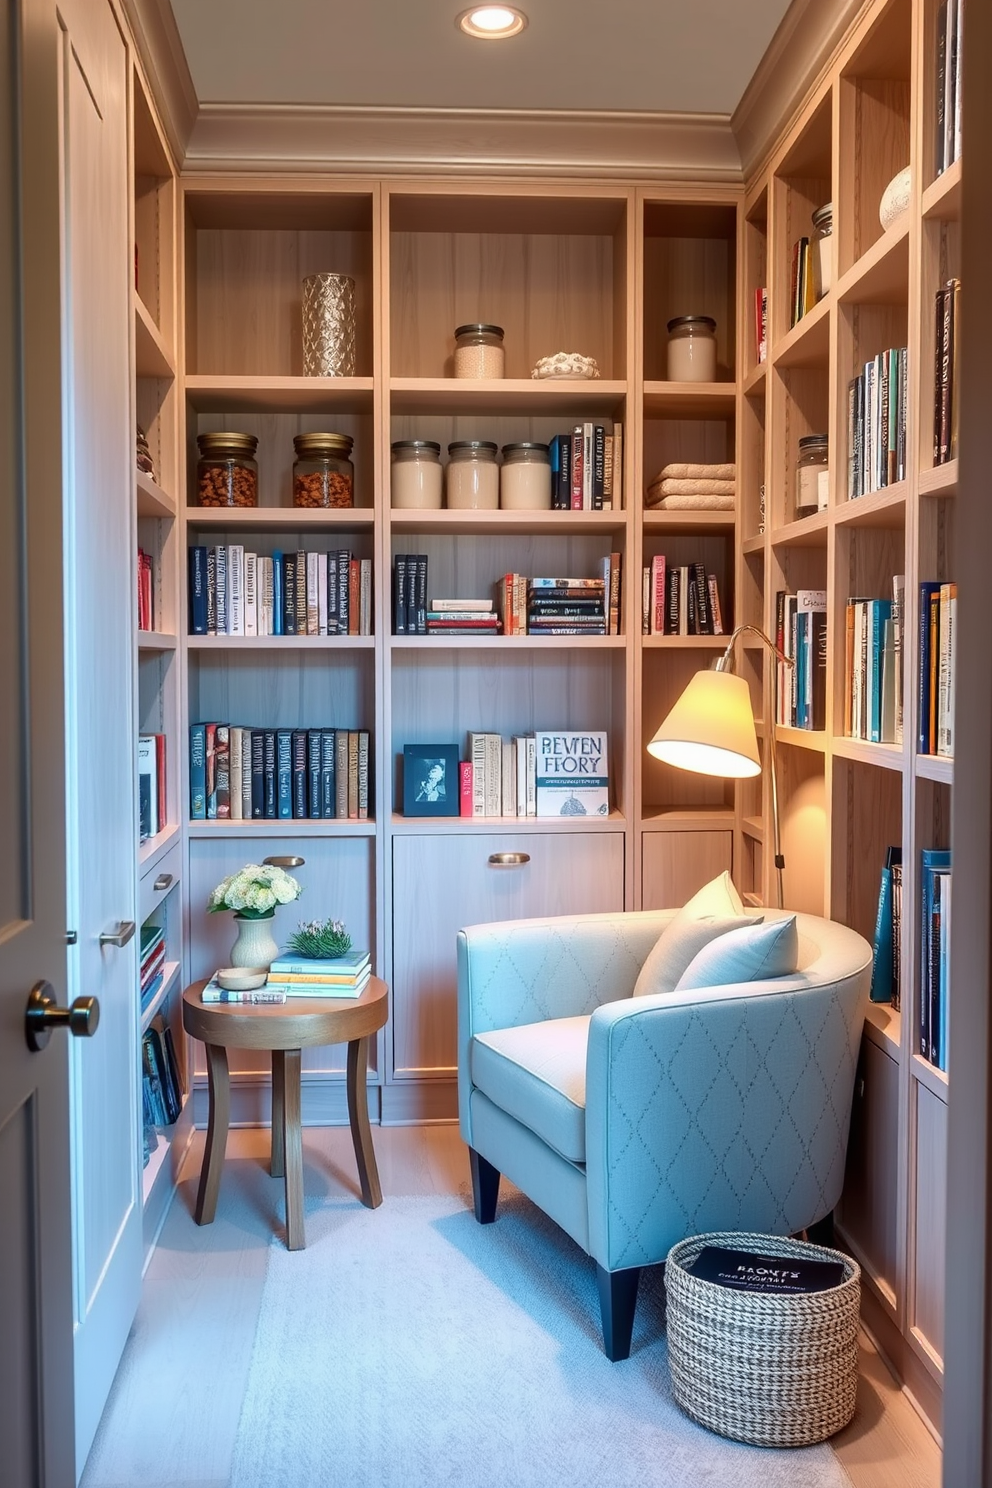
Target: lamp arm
x=726, y=662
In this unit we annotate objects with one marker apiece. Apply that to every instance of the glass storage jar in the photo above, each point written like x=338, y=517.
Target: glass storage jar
x=692, y=349
x=227, y=472
x=323, y=475
x=415, y=474
x=479, y=351
x=525, y=477
x=823, y=245
x=473, y=476
x=812, y=475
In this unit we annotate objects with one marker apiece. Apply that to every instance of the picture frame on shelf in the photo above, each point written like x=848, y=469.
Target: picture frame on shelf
x=430, y=780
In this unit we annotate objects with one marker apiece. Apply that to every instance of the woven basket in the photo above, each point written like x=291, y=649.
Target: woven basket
x=778, y=1371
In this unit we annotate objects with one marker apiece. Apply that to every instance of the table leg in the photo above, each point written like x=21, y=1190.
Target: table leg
x=358, y=1115
x=277, y=1165
x=217, y=1124
x=293, y=1149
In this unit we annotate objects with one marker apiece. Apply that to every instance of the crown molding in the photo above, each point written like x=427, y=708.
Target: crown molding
x=156, y=39
x=518, y=142
x=797, y=56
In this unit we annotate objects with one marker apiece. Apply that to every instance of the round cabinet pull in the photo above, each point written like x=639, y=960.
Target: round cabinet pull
x=508, y=859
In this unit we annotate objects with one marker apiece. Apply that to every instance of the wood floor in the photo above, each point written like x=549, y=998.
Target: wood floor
x=174, y=1409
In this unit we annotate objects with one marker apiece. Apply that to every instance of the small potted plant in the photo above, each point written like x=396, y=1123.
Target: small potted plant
x=253, y=894
x=321, y=940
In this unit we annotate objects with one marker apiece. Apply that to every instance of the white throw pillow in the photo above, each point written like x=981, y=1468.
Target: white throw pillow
x=714, y=910
x=749, y=953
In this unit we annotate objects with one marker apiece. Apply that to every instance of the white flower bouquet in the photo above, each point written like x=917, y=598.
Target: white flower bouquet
x=255, y=891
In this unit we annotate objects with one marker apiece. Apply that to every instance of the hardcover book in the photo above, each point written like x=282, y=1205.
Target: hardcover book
x=747, y=1271
x=572, y=774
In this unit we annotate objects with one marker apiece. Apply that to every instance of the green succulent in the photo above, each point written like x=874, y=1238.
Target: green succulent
x=320, y=939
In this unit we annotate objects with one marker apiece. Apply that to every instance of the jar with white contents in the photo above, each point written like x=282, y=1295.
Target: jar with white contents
x=472, y=478
x=692, y=349
x=812, y=475
x=415, y=474
x=525, y=477
x=479, y=351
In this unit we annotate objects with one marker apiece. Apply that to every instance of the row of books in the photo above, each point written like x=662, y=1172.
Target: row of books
x=945, y=406
x=801, y=634
x=161, y=1084
x=146, y=591
x=877, y=400
x=245, y=774
x=560, y=605
x=292, y=976
x=232, y=592
x=152, y=798
x=152, y=969
x=935, y=939
x=802, y=285
x=543, y=774
x=936, y=687
x=950, y=61
x=873, y=667
x=679, y=599
x=587, y=469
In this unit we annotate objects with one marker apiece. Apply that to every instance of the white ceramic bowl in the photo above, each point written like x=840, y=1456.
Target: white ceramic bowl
x=241, y=978
x=895, y=199
x=566, y=364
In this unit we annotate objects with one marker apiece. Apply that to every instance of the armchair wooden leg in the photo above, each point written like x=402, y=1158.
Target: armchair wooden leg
x=485, y=1187
x=617, y=1300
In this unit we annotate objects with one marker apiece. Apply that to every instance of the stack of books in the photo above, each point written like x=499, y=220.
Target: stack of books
x=801, y=633
x=935, y=940
x=235, y=593
x=462, y=617
x=245, y=774
x=587, y=469
x=936, y=689
x=152, y=962
x=162, y=1098
x=876, y=424
x=945, y=406
x=679, y=599
x=873, y=667
x=410, y=594
x=561, y=606
x=303, y=976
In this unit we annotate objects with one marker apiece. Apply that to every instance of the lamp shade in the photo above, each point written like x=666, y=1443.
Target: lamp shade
x=711, y=728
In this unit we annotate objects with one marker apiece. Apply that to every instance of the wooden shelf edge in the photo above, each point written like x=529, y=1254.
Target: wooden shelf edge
x=155, y=640
x=937, y=767
x=288, y=518
x=807, y=532
x=280, y=643
x=754, y=544
x=885, y=508
x=927, y=1074
x=152, y=358
x=940, y=480
x=883, y=1023
x=756, y=380
x=488, y=523
x=887, y=756
x=704, y=522
x=212, y=393
x=882, y=274
x=685, y=819
x=801, y=345
x=156, y=847
x=150, y=499
x=684, y=643
x=443, y=825
x=812, y=739
x=942, y=198
x=282, y=826
x=516, y=643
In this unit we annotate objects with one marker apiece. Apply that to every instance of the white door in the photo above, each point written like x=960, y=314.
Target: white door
x=101, y=740
x=36, y=1385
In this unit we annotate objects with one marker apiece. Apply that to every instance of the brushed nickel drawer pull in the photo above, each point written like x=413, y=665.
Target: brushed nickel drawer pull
x=120, y=936
x=162, y=882
x=508, y=859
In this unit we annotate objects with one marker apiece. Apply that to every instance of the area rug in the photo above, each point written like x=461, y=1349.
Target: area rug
x=409, y=1347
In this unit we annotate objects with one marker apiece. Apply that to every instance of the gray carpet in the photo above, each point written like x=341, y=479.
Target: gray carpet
x=409, y=1347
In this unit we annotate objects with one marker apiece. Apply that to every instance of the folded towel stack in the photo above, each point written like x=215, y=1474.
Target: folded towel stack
x=686, y=487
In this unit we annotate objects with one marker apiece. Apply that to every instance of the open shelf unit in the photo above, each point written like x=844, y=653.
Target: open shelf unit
x=844, y=801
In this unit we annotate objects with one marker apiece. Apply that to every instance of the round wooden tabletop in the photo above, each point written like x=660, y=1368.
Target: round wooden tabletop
x=296, y=1023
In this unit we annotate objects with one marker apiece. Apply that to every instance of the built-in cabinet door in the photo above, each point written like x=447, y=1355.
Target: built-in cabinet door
x=675, y=864
x=868, y=1209
x=442, y=883
x=101, y=744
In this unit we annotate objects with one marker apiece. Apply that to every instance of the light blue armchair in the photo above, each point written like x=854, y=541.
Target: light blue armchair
x=637, y=1121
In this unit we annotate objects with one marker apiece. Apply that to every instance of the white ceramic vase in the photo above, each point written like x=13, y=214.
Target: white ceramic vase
x=255, y=945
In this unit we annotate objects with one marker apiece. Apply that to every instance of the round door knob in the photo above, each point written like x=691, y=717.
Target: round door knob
x=43, y=1014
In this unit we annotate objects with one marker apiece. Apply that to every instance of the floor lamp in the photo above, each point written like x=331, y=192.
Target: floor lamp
x=711, y=730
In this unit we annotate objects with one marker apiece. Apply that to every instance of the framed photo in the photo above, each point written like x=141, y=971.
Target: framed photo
x=430, y=780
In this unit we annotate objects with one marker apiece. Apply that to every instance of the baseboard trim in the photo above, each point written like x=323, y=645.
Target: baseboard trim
x=915, y=1379
x=325, y=1101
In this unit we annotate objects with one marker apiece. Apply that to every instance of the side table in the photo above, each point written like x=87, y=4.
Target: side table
x=285, y=1029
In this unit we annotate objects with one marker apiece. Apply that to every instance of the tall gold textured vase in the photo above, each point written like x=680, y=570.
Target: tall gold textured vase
x=329, y=325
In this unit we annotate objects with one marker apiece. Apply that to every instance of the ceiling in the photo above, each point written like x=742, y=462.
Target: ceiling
x=682, y=56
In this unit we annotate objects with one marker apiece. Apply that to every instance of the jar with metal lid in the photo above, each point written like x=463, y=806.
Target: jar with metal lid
x=415, y=477
x=692, y=349
x=227, y=472
x=812, y=475
x=479, y=350
x=323, y=475
x=473, y=476
x=525, y=477
x=823, y=245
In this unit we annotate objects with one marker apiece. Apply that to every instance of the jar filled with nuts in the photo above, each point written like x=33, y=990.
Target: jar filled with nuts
x=227, y=472
x=323, y=475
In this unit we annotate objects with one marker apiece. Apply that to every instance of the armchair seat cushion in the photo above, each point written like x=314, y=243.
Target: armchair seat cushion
x=537, y=1074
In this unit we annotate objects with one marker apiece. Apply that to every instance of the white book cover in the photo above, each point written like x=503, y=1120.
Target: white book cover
x=858, y=679
x=235, y=589
x=520, y=765
x=477, y=756
x=313, y=561
x=322, y=594
x=684, y=599
x=617, y=467
x=588, y=459
x=246, y=774
x=494, y=775
x=531, y=775
x=236, y=766
x=265, y=600
x=251, y=594
x=509, y=778
x=898, y=608
x=220, y=582
x=572, y=774
x=147, y=787
x=365, y=596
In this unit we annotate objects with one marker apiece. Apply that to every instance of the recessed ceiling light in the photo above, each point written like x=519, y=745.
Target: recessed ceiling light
x=492, y=22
